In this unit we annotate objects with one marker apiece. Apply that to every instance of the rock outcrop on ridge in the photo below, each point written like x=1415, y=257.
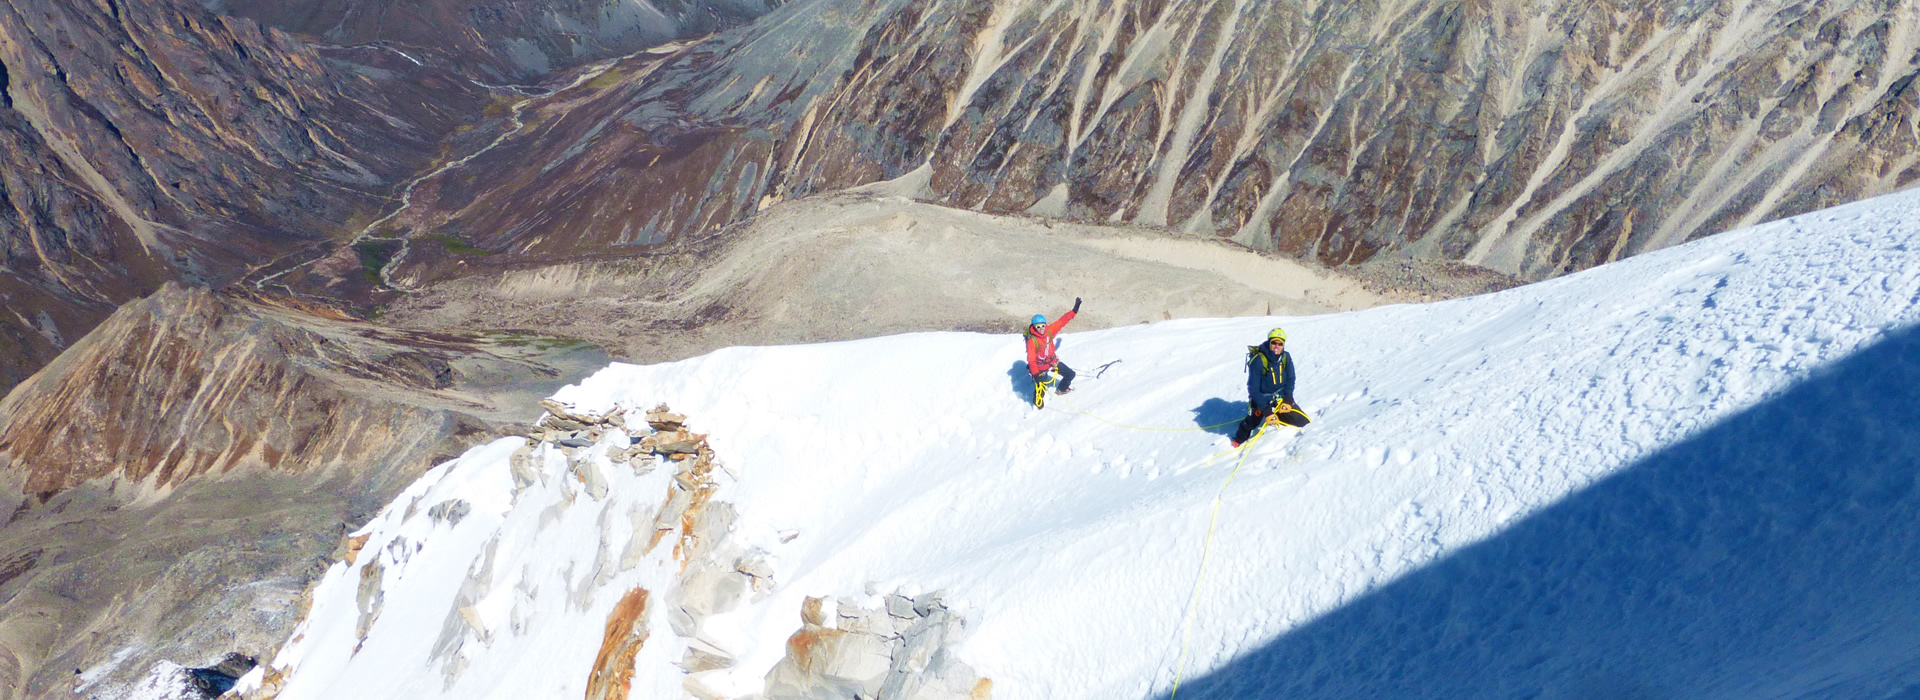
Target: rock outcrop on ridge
x=1533, y=139
x=175, y=479
x=897, y=647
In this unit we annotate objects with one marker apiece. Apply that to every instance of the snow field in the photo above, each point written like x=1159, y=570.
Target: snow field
x=1071, y=538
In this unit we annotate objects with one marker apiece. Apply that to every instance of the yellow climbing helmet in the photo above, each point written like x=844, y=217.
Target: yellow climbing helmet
x=1277, y=334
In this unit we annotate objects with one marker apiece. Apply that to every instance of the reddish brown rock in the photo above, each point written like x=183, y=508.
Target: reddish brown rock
x=626, y=632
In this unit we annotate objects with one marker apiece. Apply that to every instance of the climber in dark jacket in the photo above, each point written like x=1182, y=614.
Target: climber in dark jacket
x=1269, y=387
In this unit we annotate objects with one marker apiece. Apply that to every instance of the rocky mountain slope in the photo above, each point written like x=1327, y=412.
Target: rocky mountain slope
x=1531, y=138
x=514, y=41
x=172, y=480
x=152, y=141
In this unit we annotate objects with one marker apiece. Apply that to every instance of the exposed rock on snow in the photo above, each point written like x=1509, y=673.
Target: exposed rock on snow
x=663, y=418
x=626, y=631
x=450, y=512
x=370, y=597
x=898, y=650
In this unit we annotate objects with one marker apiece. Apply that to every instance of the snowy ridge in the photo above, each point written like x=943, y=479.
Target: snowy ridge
x=1069, y=539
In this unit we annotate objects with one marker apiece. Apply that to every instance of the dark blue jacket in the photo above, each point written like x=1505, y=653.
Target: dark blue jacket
x=1268, y=375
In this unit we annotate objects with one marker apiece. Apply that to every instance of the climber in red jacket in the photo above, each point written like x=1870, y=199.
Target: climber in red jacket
x=1040, y=352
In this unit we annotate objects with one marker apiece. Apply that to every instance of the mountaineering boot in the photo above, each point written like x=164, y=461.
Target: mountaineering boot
x=1063, y=391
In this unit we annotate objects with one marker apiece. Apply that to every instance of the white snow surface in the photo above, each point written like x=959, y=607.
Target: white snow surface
x=1686, y=474
x=166, y=680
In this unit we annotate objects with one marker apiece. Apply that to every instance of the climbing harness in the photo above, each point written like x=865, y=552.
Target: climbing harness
x=1041, y=383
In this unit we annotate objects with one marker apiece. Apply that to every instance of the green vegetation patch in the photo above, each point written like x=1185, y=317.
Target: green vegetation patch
x=455, y=246
x=612, y=77
x=374, y=256
x=500, y=107
x=523, y=339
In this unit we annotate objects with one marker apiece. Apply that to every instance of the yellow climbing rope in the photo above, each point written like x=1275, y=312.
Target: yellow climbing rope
x=1206, y=550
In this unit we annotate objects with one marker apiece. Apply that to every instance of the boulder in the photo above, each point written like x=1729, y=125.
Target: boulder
x=451, y=511
x=662, y=419
x=524, y=467
x=562, y=411
x=897, y=651
x=673, y=443
x=589, y=476
x=561, y=424
x=702, y=656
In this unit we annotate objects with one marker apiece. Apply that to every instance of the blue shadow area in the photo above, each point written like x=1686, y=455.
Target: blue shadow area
x=1022, y=381
x=1775, y=554
x=1219, y=416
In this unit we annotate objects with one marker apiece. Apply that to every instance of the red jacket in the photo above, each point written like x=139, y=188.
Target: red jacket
x=1040, y=357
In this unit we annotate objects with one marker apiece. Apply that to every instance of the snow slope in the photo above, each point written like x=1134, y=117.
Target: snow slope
x=1541, y=492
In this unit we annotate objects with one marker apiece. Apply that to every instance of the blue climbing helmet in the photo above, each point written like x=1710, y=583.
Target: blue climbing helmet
x=1039, y=319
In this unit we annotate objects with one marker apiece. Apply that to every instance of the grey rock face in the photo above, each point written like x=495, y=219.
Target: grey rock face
x=450, y=512
x=1532, y=139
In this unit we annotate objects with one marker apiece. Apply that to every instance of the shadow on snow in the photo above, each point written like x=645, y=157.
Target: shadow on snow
x=1219, y=416
x=1021, y=381
x=1774, y=554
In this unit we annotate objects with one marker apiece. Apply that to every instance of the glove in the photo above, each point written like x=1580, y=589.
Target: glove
x=1076, y=305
